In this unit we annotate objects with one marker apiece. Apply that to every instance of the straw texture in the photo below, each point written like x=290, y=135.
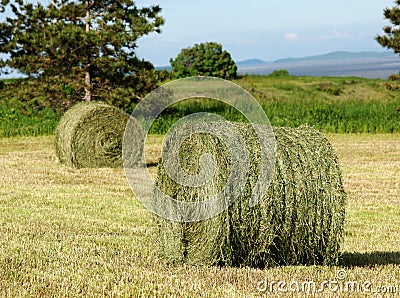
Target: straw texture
x=90, y=135
x=298, y=221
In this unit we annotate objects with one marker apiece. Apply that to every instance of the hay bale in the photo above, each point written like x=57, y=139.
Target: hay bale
x=298, y=221
x=90, y=134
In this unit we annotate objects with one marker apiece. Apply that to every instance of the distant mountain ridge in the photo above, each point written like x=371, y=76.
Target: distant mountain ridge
x=339, y=55
x=322, y=57
x=163, y=67
x=359, y=64
x=250, y=62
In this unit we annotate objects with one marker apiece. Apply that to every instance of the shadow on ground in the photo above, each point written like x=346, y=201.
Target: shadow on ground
x=369, y=259
x=151, y=164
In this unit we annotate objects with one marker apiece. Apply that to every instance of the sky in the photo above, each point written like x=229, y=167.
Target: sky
x=265, y=29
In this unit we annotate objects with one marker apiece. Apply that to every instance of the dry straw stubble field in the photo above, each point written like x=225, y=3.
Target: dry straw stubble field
x=71, y=232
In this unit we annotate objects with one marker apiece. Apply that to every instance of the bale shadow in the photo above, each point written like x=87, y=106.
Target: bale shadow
x=152, y=164
x=369, y=259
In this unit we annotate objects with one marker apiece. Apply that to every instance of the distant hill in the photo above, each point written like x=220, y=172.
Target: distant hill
x=339, y=55
x=359, y=64
x=250, y=62
x=163, y=68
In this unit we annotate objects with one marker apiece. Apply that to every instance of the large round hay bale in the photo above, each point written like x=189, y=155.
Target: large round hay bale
x=90, y=135
x=298, y=221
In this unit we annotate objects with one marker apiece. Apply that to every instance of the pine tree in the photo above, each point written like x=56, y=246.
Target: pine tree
x=391, y=39
x=88, y=45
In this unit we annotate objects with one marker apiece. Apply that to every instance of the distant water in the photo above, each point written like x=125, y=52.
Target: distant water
x=378, y=67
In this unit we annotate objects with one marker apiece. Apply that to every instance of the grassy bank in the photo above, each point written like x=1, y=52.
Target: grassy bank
x=333, y=105
x=330, y=104
x=14, y=122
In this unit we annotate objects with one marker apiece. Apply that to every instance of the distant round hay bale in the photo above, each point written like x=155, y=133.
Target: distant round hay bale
x=298, y=221
x=90, y=135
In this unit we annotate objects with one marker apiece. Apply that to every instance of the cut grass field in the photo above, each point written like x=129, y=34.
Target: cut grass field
x=80, y=232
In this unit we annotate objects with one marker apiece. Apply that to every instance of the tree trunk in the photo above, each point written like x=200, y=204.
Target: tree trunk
x=88, y=83
x=88, y=91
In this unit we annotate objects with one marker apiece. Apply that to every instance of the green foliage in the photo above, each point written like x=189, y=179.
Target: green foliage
x=391, y=37
x=363, y=105
x=329, y=88
x=340, y=117
x=339, y=105
x=29, y=95
x=75, y=47
x=204, y=59
x=13, y=122
x=279, y=73
x=393, y=82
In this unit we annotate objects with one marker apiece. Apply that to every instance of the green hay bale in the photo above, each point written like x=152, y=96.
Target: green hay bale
x=90, y=135
x=298, y=221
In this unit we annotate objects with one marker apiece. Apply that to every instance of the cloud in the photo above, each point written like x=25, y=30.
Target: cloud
x=339, y=34
x=334, y=35
x=292, y=37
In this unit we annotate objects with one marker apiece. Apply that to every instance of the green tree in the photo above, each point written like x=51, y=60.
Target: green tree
x=83, y=47
x=279, y=73
x=204, y=59
x=391, y=38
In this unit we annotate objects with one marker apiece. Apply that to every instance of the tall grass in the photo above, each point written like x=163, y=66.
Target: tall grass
x=339, y=117
x=349, y=116
x=330, y=104
x=14, y=122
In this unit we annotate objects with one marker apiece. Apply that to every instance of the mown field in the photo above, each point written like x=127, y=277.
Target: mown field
x=66, y=232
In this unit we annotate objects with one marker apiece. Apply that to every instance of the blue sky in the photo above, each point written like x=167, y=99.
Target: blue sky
x=266, y=29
